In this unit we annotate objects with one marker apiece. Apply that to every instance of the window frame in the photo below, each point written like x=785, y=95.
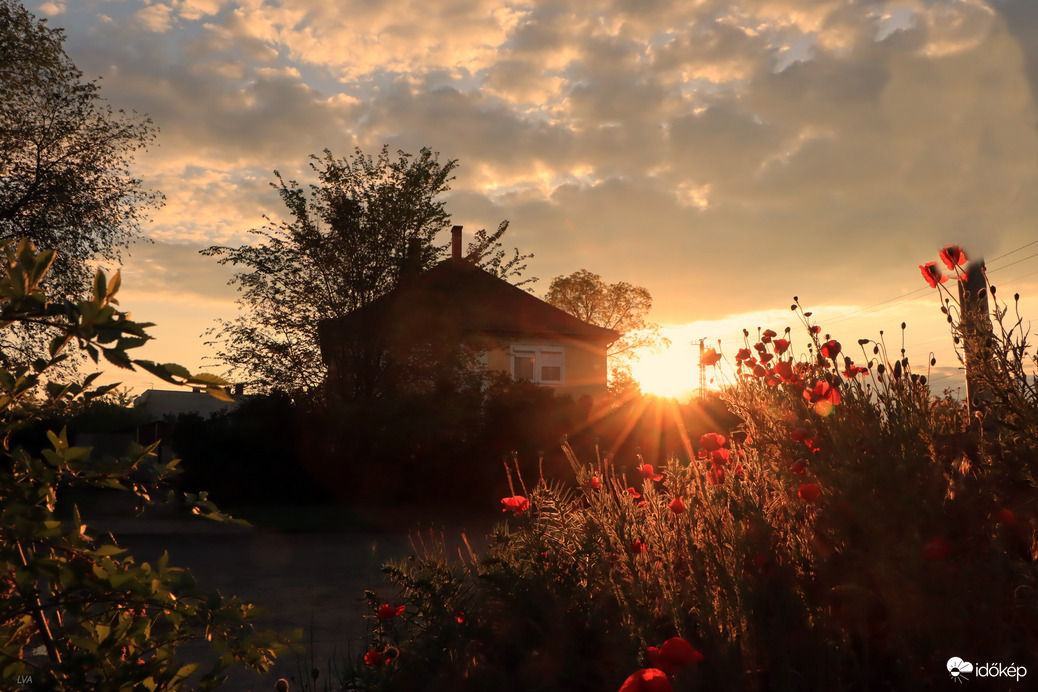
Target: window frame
x=539, y=353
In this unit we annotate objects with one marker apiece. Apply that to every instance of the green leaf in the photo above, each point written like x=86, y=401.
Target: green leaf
x=106, y=550
x=117, y=358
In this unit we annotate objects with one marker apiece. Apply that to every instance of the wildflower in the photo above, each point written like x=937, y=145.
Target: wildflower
x=647, y=680
x=374, y=658
x=937, y=549
x=932, y=274
x=759, y=370
x=711, y=441
x=798, y=467
x=387, y=611
x=677, y=505
x=784, y=369
x=766, y=357
x=953, y=256
x=647, y=472
x=637, y=546
x=720, y=457
x=460, y=617
x=780, y=346
x=831, y=348
x=853, y=371
x=761, y=348
x=768, y=335
x=596, y=484
x=710, y=357
x=815, y=329
x=1006, y=516
x=743, y=354
x=673, y=654
x=634, y=493
x=822, y=391
x=809, y=492
x=517, y=504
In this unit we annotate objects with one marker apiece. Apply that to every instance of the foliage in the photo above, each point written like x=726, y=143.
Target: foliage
x=852, y=533
x=77, y=612
x=64, y=155
x=367, y=223
x=620, y=306
x=267, y=435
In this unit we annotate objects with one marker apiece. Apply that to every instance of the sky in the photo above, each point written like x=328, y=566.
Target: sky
x=725, y=155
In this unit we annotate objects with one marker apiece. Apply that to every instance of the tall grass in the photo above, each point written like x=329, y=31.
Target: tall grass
x=855, y=532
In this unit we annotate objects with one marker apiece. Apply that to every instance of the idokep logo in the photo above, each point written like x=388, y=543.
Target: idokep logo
x=961, y=670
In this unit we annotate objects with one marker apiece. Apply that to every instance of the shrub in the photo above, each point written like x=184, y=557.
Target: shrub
x=853, y=533
x=77, y=612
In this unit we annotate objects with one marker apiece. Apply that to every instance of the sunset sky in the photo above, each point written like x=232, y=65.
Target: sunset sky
x=725, y=155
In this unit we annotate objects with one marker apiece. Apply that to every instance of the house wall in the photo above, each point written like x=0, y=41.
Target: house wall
x=584, y=370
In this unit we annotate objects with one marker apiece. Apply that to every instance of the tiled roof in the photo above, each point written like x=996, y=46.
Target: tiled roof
x=458, y=294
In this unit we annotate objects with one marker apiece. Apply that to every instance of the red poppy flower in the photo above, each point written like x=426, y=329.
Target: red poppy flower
x=637, y=547
x=374, y=658
x=710, y=357
x=953, y=256
x=815, y=329
x=677, y=505
x=460, y=617
x=760, y=347
x=387, y=611
x=853, y=371
x=766, y=357
x=647, y=472
x=784, y=369
x=743, y=354
x=798, y=467
x=831, y=348
x=759, y=370
x=674, y=654
x=932, y=274
x=780, y=346
x=720, y=456
x=647, y=680
x=595, y=483
x=517, y=504
x=1006, y=516
x=634, y=493
x=711, y=441
x=937, y=549
x=809, y=492
x=768, y=335
x=822, y=391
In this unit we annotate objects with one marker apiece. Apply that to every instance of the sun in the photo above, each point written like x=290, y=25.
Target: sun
x=671, y=372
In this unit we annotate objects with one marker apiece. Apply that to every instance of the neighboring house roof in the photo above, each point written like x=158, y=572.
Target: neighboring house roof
x=157, y=404
x=458, y=295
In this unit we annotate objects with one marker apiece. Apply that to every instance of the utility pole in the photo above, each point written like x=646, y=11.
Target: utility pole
x=975, y=315
x=702, y=369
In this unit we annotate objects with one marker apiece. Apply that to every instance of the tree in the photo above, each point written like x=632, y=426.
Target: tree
x=65, y=156
x=349, y=239
x=77, y=612
x=620, y=306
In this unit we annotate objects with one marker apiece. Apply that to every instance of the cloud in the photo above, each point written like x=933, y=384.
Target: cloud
x=724, y=155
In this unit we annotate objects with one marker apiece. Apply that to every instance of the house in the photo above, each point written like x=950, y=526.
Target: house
x=457, y=304
x=158, y=408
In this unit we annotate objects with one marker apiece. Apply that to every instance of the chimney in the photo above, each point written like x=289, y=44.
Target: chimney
x=456, y=243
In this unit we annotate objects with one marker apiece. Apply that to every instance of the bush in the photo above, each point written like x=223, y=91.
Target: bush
x=855, y=532
x=77, y=612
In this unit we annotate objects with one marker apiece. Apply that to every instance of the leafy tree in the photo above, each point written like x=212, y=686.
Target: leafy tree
x=76, y=612
x=64, y=155
x=349, y=239
x=620, y=306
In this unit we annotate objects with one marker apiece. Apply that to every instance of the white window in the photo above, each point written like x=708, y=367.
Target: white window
x=540, y=364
